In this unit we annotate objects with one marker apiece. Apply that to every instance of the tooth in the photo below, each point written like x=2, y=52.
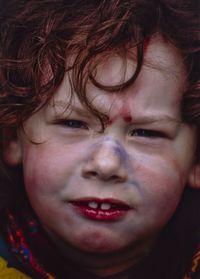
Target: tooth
x=105, y=206
x=93, y=205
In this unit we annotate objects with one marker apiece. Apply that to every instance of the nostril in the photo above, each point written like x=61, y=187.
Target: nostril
x=96, y=175
x=105, y=165
x=114, y=177
x=90, y=174
x=117, y=179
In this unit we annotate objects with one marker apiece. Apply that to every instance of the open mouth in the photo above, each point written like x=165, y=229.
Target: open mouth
x=101, y=209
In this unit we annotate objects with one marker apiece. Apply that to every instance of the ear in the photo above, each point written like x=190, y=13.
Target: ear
x=194, y=177
x=12, y=153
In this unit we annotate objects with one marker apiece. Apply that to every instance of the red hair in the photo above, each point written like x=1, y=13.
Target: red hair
x=39, y=37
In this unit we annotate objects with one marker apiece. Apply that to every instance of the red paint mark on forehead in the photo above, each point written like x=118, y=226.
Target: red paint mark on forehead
x=127, y=118
x=123, y=113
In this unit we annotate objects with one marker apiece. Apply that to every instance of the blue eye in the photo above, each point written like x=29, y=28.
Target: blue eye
x=147, y=133
x=72, y=123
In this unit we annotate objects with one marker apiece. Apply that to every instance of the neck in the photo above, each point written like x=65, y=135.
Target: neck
x=106, y=264
x=119, y=271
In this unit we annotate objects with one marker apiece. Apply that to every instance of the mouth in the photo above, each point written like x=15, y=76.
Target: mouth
x=101, y=209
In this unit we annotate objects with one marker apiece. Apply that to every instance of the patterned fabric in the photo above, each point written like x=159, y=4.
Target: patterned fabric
x=19, y=246
x=9, y=272
x=36, y=254
x=195, y=266
x=40, y=259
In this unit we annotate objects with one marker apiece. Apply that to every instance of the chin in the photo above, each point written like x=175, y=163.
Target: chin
x=98, y=243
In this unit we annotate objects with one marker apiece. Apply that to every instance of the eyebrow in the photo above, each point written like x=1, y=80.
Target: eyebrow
x=148, y=119
x=68, y=107
x=156, y=118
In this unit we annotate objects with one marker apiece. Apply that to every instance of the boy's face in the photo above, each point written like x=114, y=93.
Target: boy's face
x=113, y=190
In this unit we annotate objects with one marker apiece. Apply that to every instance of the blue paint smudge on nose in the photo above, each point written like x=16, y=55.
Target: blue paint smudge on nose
x=119, y=149
x=125, y=158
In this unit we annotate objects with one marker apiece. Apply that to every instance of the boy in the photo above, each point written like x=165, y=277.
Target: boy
x=99, y=115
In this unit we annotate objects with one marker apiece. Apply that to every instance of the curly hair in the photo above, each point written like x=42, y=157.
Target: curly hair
x=39, y=37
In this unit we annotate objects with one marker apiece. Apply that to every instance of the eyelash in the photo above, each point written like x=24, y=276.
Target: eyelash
x=143, y=133
x=72, y=123
x=153, y=134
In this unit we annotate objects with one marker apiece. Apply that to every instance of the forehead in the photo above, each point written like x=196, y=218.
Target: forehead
x=158, y=55
x=162, y=78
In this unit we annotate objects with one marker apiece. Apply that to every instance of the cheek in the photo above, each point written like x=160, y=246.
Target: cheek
x=161, y=185
x=164, y=169
x=46, y=169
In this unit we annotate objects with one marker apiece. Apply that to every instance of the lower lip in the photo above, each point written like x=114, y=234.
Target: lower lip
x=100, y=215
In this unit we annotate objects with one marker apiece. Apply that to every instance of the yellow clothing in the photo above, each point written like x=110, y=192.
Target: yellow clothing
x=10, y=272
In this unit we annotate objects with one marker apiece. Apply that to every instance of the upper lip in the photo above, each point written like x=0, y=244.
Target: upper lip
x=112, y=201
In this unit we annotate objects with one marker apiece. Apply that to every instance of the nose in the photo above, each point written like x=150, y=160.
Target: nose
x=107, y=162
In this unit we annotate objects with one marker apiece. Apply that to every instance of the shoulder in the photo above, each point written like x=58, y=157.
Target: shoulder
x=10, y=272
x=7, y=269
x=4, y=252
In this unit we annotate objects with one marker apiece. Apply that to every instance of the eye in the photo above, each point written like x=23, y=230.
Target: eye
x=148, y=133
x=73, y=123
